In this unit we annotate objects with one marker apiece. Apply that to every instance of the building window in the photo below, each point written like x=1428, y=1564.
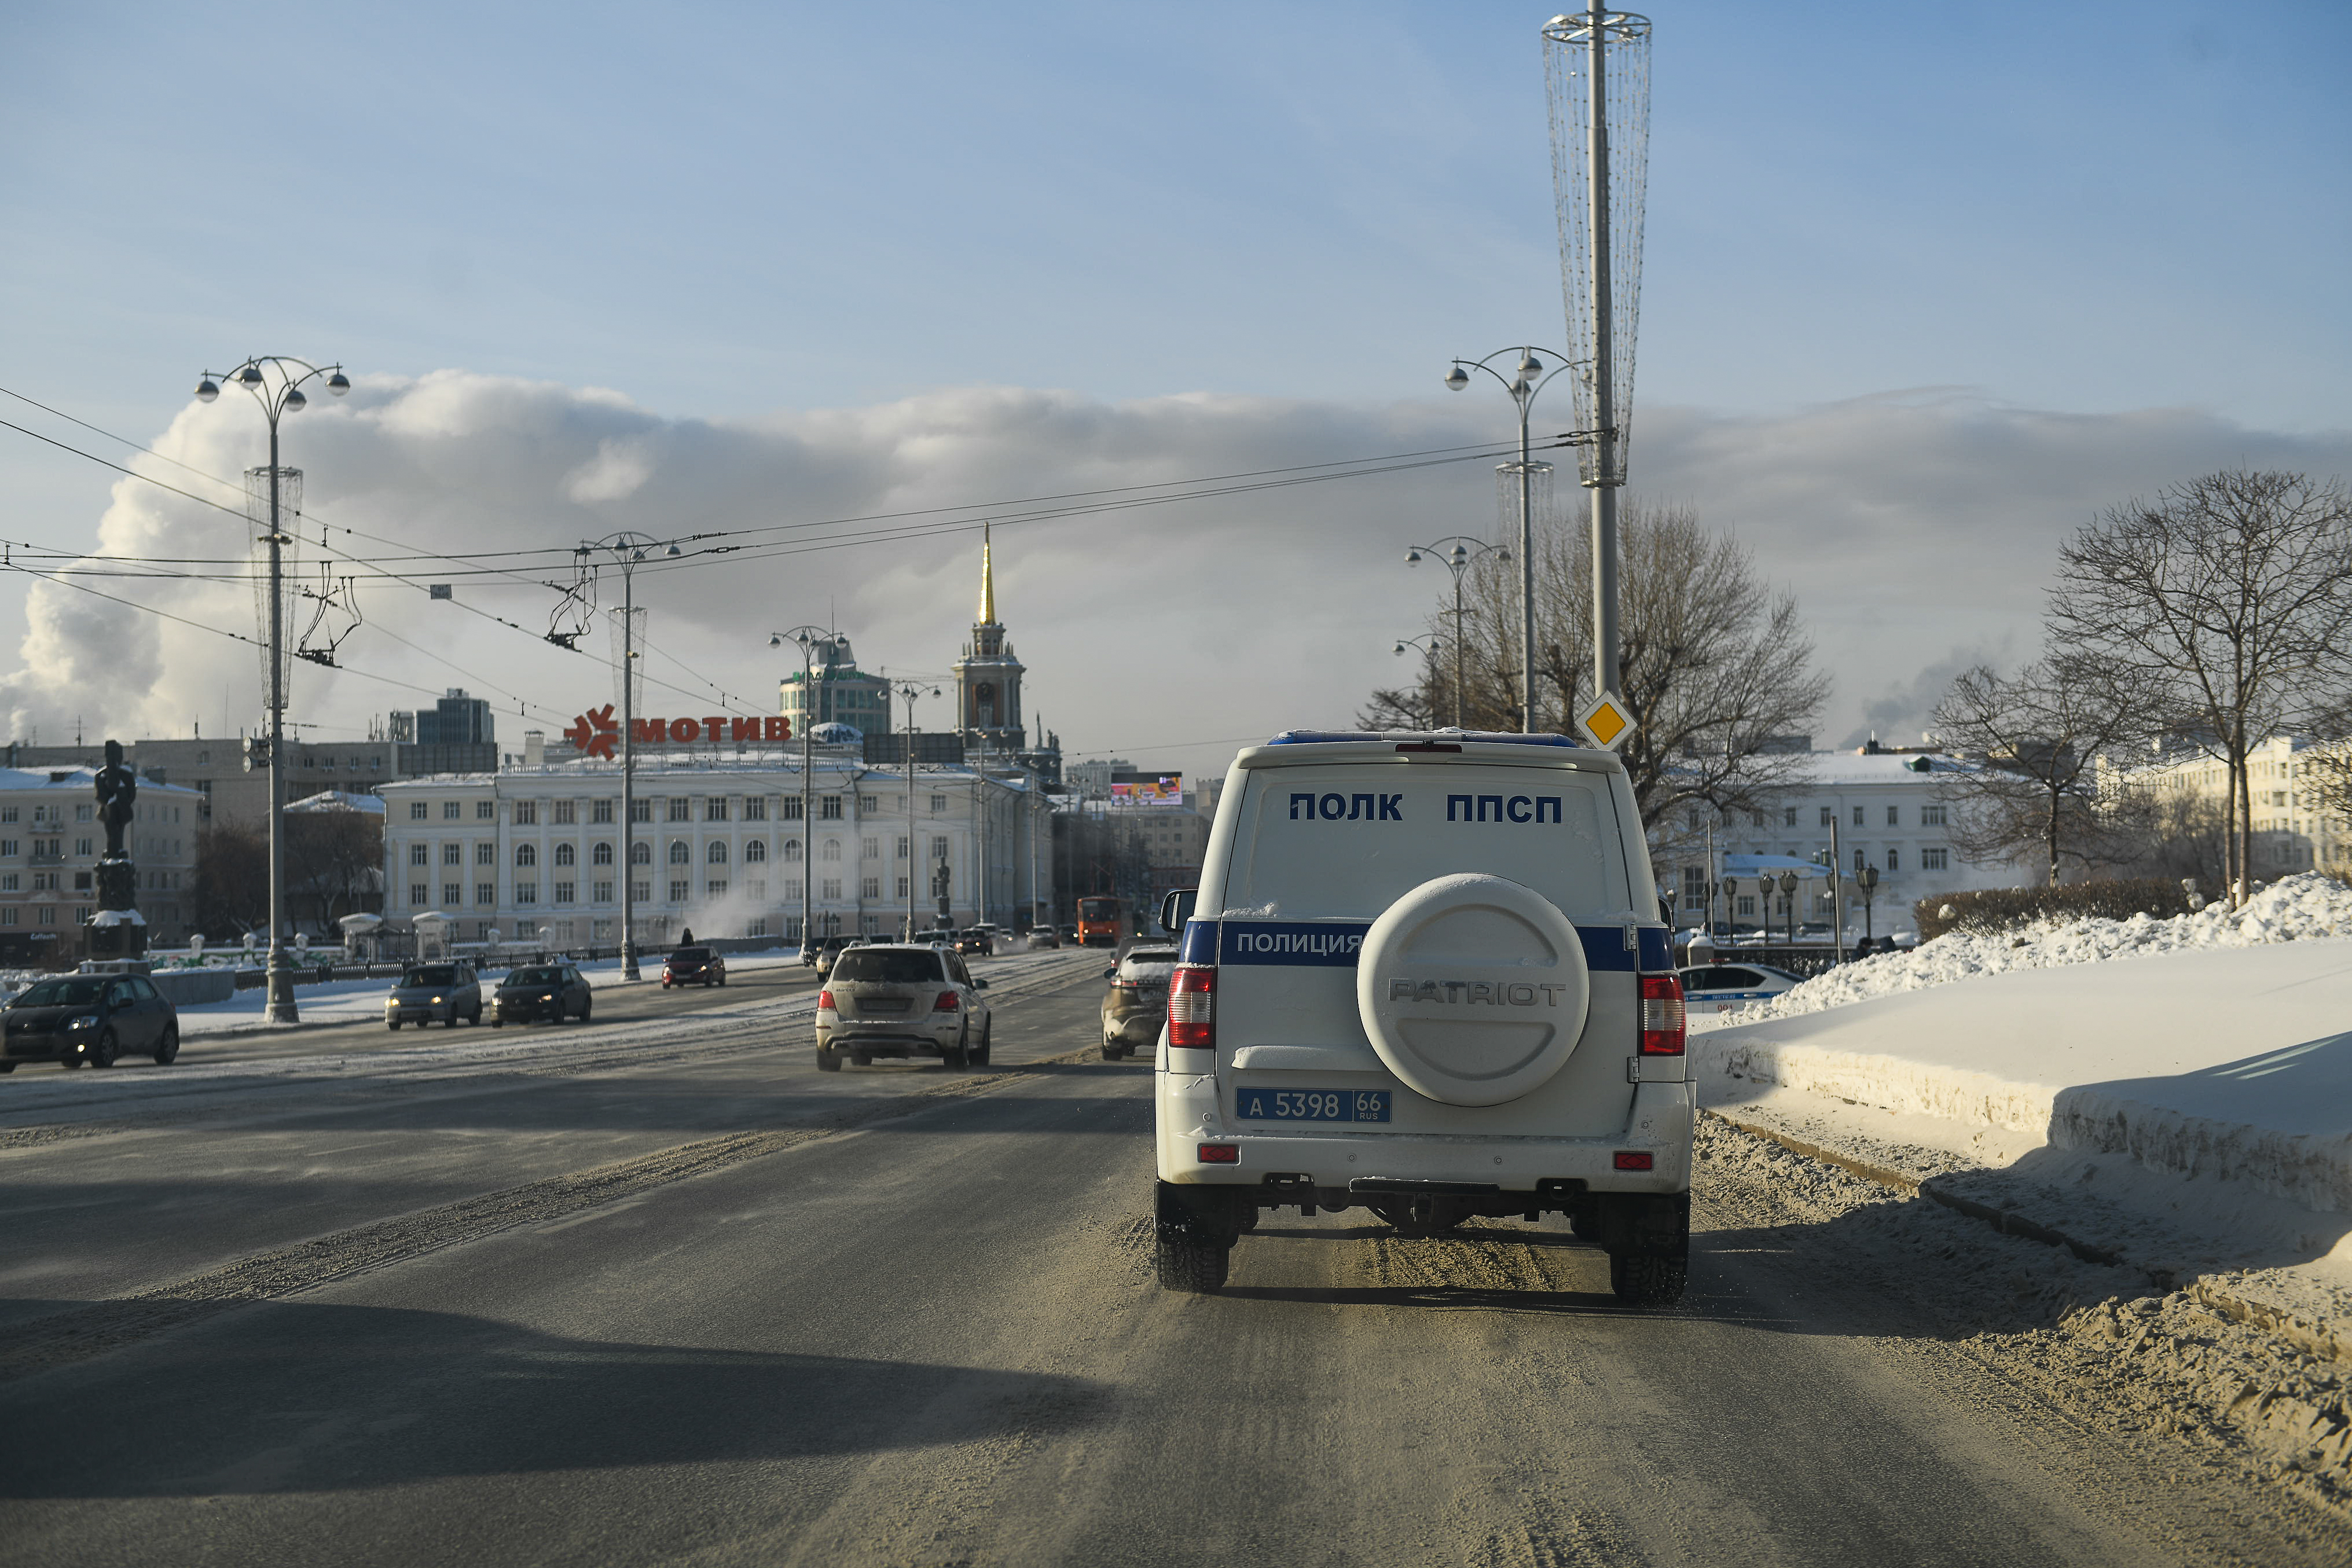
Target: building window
x=680, y=854
x=601, y=854
x=81, y=846
x=869, y=850
x=603, y=893
x=715, y=809
x=452, y=810
x=1935, y=858
x=486, y=894
x=8, y=881
x=526, y=854
x=832, y=850
x=902, y=887
x=453, y=854
x=757, y=850
x=758, y=927
x=641, y=853
x=451, y=892
x=525, y=893
x=641, y=810
x=791, y=851
x=420, y=854
x=904, y=845
x=790, y=810
x=758, y=889
x=566, y=855
x=564, y=813
x=600, y=811
x=755, y=807
x=641, y=891
x=1893, y=816
x=419, y=811
x=1931, y=816
x=868, y=804
x=939, y=849
x=486, y=853
x=715, y=888
x=1694, y=887
x=1748, y=905
x=1757, y=817
x=717, y=854
x=677, y=891
x=563, y=892
x=830, y=888
x=792, y=891
x=1857, y=816
x=1788, y=817
x=420, y=894
x=681, y=811
x=525, y=813
x=870, y=887
x=486, y=810
x=1894, y=858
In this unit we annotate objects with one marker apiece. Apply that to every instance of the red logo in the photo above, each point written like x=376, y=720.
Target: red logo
x=593, y=733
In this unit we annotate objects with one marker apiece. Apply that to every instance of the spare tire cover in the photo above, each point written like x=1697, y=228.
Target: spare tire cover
x=1473, y=988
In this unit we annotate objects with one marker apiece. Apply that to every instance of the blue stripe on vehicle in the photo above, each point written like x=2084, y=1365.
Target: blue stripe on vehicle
x=1333, y=944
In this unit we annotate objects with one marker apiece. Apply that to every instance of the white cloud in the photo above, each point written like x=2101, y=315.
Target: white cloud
x=1917, y=529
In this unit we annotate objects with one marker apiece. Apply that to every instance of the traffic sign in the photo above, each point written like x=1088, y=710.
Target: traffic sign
x=1606, y=721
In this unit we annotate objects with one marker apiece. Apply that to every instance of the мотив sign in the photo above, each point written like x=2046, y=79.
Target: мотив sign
x=598, y=734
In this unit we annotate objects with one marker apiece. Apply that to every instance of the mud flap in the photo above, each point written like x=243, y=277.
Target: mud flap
x=1202, y=1215
x=1642, y=1224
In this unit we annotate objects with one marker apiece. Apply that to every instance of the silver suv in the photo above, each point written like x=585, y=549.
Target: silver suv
x=901, y=1000
x=1425, y=974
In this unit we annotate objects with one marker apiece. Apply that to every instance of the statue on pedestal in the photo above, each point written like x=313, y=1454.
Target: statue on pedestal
x=117, y=931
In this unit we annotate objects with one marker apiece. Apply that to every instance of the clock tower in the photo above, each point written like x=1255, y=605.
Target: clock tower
x=988, y=677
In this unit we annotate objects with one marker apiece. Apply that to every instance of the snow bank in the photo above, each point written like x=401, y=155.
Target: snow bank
x=2297, y=908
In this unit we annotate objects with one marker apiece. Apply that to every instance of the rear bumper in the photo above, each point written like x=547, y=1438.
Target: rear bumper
x=1134, y=1029
x=893, y=1037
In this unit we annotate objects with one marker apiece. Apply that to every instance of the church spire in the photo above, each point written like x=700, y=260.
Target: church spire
x=987, y=582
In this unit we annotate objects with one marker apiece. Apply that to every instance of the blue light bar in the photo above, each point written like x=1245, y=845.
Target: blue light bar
x=1458, y=737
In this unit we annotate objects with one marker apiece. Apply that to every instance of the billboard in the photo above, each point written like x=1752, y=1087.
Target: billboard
x=1167, y=790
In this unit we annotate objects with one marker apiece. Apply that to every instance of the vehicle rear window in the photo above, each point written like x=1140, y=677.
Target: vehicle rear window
x=535, y=978
x=432, y=975
x=1346, y=842
x=1145, y=957
x=898, y=968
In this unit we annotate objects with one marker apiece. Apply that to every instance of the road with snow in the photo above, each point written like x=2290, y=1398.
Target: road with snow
x=658, y=1290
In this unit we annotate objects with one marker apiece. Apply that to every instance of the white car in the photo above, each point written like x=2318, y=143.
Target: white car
x=1425, y=974
x=900, y=998
x=1727, y=988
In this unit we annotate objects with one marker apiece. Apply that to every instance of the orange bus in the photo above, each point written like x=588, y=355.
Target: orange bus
x=1102, y=922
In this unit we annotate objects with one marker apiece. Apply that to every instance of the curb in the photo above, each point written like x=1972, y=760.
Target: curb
x=2270, y=1319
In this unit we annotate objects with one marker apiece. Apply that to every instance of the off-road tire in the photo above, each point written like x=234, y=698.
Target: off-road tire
x=828, y=1061
x=1195, y=1267
x=168, y=1048
x=955, y=1056
x=1641, y=1280
x=104, y=1050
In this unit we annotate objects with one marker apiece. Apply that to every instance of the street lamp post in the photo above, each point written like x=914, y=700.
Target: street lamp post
x=1432, y=642
x=1867, y=879
x=808, y=637
x=1528, y=378
x=908, y=692
x=1457, y=561
x=276, y=382
x=628, y=551
x=1731, y=906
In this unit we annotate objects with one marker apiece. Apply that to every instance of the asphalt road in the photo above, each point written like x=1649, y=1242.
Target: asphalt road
x=721, y=1308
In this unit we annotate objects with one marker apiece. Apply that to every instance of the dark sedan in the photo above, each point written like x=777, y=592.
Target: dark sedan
x=540, y=991
x=693, y=966
x=96, y=1019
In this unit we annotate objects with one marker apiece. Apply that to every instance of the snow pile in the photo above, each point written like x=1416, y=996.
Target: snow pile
x=2294, y=909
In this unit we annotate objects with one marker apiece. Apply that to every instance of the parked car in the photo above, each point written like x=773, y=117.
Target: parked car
x=829, y=950
x=434, y=993
x=1435, y=1010
x=1727, y=988
x=98, y=1019
x=1136, y=1004
x=974, y=940
x=901, y=1000
x=693, y=966
x=540, y=991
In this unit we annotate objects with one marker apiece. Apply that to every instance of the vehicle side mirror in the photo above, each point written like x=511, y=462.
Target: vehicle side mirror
x=979, y=984
x=1111, y=973
x=1177, y=908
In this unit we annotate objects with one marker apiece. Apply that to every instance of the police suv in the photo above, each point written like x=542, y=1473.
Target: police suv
x=1424, y=974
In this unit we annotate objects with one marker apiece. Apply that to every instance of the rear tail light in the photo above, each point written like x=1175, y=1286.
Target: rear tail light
x=1126, y=986
x=825, y=1001
x=949, y=1002
x=1192, y=1009
x=1662, y=1015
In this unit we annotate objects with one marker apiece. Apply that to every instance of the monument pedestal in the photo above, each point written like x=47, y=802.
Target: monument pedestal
x=118, y=931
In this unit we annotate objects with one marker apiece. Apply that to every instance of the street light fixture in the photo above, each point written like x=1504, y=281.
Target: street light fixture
x=1867, y=879
x=1528, y=378
x=1789, y=901
x=810, y=638
x=276, y=382
x=908, y=692
x=1457, y=561
x=628, y=551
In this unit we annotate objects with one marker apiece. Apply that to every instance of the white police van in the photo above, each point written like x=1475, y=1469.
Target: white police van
x=1424, y=974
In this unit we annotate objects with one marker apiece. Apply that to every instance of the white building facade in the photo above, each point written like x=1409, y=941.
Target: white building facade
x=2292, y=830
x=1887, y=810
x=720, y=846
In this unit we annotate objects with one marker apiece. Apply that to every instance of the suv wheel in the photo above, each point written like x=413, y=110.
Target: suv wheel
x=1643, y=1280
x=1196, y=1268
x=828, y=1061
x=979, y=1057
x=102, y=1053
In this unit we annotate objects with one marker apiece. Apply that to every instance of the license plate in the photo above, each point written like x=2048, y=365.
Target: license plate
x=1312, y=1104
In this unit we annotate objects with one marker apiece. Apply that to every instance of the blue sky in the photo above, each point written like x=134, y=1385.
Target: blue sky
x=732, y=214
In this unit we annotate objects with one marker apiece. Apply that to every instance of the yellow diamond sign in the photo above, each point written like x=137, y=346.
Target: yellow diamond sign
x=1606, y=721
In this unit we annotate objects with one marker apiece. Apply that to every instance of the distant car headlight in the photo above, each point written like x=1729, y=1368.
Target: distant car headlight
x=436, y=1001
x=87, y=1020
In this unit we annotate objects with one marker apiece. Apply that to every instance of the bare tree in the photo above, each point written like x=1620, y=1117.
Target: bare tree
x=334, y=861
x=232, y=881
x=2181, y=832
x=2227, y=600
x=1416, y=706
x=2042, y=736
x=1714, y=664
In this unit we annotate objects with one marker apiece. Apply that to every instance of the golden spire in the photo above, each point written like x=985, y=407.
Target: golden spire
x=987, y=582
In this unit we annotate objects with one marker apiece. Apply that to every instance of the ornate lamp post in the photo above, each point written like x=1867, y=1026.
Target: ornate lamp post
x=1866, y=878
x=628, y=551
x=1458, y=560
x=1528, y=378
x=1431, y=642
x=1789, y=903
x=810, y=638
x=275, y=381
x=908, y=692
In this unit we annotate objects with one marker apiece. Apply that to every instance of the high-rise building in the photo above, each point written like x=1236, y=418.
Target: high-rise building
x=838, y=691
